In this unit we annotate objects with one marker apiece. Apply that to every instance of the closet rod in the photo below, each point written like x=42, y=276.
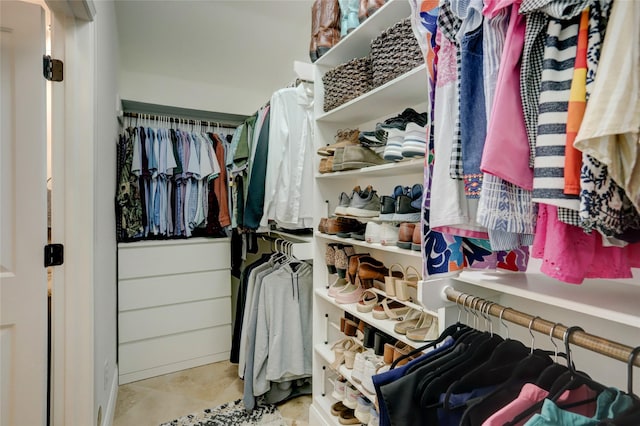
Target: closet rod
x=179, y=120
x=585, y=340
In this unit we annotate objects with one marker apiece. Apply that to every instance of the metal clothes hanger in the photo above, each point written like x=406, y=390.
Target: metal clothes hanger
x=533, y=338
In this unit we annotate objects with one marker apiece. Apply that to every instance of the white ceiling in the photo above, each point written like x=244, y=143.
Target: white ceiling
x=241, y=44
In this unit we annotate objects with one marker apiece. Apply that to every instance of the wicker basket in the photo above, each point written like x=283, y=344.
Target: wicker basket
x=394, y=52
x=346, y=82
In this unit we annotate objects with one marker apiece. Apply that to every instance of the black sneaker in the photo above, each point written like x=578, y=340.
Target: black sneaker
x=409, y=205
x=400, y=122
x=388, y=203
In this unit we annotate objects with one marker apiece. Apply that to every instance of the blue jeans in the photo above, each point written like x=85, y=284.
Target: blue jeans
x=473, y=117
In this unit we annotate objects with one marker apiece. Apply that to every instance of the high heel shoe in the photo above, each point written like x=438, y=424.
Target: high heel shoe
x=426, y=329
x=409, y=321
x=407, y=288
x=390, y=280
x=330, y=257
x=342, y=253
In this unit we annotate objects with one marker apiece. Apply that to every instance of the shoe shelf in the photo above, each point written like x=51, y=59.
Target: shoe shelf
x=385, y=325
x=390, y=98
x=358, y=43
x=415, y=165
x=370, y=246
x=327, y=354
x=613, y=300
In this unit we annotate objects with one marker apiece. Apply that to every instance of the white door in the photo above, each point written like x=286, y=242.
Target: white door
x=23, y=233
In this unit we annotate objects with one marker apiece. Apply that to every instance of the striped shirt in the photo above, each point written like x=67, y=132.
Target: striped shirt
x=557, y=75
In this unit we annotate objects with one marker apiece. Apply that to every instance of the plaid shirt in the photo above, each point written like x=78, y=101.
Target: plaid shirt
x=449, y=24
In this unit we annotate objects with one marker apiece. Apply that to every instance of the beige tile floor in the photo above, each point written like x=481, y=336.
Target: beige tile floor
x=164, y=398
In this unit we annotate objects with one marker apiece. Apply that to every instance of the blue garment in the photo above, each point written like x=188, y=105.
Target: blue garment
x=473, y=117
x=393, y=375
x=458, y=403
x=610, y=403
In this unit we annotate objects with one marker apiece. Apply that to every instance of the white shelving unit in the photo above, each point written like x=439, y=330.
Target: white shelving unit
x=390, y=99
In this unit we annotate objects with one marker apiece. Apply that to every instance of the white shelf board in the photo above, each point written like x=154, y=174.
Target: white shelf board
x=323, y=406
x=302, y=247
x=370, y=246
x=385, y=325
x=357, y=44
x=327, y=354
x=415, y=165
x=389, y=99
x=610, y=300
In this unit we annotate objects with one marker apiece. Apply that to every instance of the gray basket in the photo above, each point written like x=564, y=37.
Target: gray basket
x=346, y=82
x=394, y=52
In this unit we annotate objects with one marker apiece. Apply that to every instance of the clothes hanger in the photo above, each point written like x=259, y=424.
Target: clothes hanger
x=571, y=379
x=496, y=370
x=449, y=331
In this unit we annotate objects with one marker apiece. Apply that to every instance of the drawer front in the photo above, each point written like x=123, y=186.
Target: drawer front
x=138, y=293
x=160, y=351
x=172, y=319
x=156, y=260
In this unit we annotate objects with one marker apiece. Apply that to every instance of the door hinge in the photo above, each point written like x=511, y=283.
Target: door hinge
x=53, y=255
x=52, y=68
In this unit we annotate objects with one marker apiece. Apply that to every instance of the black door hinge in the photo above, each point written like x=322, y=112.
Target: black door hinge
x=52, y=69
x=53, y=255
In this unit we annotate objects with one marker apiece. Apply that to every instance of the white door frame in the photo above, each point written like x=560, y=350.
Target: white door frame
x=73, y=111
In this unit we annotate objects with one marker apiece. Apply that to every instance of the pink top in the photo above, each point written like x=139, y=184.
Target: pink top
x=531, y=394
x=571, y=255
x=506, y=149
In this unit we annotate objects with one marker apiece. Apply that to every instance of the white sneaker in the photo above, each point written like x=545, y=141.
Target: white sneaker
x=358, y=366
x=351, y=397
x=339, y=388
x=389, y=234
x=371, y=367
x=372, y=233
x=363, y=409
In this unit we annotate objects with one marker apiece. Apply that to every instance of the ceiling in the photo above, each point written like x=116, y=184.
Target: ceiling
x=241, y=43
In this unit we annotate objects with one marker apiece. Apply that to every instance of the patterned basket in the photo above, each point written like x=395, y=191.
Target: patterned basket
x=346, y=82
x=394, y=52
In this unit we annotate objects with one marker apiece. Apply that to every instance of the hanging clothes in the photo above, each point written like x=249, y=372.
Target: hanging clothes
x=275, y=349
x=172, y=184
x=290, y=158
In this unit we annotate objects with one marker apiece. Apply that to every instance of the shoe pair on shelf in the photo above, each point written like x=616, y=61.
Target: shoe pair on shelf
x=410, y=236
x=341, y=226
x=418, y=326
x=361, y=203
x=383, y=233
x=402, y=283
x=363, y=411
x=404, y=136
x=403, y=205
x=347, y=154
x=363, y=272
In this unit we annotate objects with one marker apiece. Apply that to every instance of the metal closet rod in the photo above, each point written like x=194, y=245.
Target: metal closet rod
x=585, y=340
x=179, y=120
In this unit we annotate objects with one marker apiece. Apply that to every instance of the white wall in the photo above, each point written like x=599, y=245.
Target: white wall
x=104, y=271
x=165, y=90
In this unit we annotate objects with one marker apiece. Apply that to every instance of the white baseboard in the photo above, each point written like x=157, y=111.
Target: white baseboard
x=113, y=398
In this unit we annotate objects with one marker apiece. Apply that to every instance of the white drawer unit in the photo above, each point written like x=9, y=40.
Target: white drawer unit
x=174, y=305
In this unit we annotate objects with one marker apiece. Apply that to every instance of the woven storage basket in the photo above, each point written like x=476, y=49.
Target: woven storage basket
x=394, y=52
x=346, y=82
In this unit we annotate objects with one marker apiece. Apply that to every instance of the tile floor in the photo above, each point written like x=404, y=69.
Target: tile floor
x=164, y=398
